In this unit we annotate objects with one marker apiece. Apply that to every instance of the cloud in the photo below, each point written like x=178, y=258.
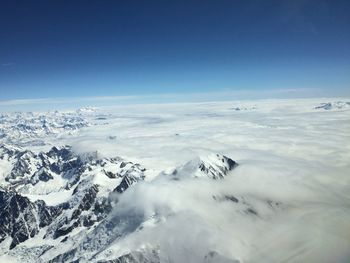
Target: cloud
x=219, y=95
x=8, y=64
x=288, y=153
x=292, y=175
x=184, y=221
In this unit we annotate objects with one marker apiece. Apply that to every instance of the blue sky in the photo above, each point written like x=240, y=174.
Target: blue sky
x=62, y=49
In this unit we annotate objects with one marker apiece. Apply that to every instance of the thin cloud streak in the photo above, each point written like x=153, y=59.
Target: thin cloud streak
x=220, y=95
x=8, y=64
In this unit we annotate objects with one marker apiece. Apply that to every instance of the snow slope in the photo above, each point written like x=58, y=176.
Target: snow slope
x=208, y=183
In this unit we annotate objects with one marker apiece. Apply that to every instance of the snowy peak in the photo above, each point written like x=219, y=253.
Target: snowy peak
x=214, y=166
x=333, y=105
x=86, y=110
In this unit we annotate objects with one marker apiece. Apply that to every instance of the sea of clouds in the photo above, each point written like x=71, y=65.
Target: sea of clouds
x=292, y=183
x=289, y=153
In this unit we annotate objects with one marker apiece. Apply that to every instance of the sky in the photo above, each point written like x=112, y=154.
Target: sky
x=68, y=49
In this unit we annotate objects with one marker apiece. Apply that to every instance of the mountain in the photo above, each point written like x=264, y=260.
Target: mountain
x=214, y=166
x=87, y=179
x=197, y=182
x=28, y=128
x=65, y=202
x=21, y=219
x=333, y=105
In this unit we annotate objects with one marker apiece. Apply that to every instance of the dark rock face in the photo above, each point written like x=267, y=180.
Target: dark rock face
x=86, y=202
x=218, y=167
x=22, y=165
x=226, y=198
x=44, y=176
x=83, y=218
x=32, y=168
x=214, y=166
x=21, y=219
x=333, y=105
x=127, y=181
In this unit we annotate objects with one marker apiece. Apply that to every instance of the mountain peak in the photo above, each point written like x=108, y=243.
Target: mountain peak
x=214, y=166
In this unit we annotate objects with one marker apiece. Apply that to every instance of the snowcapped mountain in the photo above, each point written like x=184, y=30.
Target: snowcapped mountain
x=34, y=180
x=59, y=196
x=28, y=128
x=333, y=105
x=81, y=192
x=22, y=219
x=214, y=166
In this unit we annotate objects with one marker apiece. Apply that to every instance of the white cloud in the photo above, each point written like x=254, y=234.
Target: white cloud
x=218, y=95
x=8, y=64
x=288, y=152
x=294, y=165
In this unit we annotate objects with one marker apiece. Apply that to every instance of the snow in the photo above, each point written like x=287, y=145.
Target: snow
x=5, y=168
x=338, y=105
x=8, y=259
x=52, y=198
x=292, y=183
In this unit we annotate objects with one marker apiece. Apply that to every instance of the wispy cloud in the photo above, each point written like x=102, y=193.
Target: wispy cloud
x=210, y=96
x=8, y=64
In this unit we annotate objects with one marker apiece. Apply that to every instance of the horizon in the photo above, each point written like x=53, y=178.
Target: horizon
x=72, y=103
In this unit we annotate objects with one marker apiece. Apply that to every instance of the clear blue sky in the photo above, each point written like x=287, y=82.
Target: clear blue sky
x=52, y=49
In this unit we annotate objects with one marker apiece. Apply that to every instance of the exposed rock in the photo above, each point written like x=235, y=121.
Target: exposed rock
x=333, y=105
x=214, y=166
x=21, y=219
